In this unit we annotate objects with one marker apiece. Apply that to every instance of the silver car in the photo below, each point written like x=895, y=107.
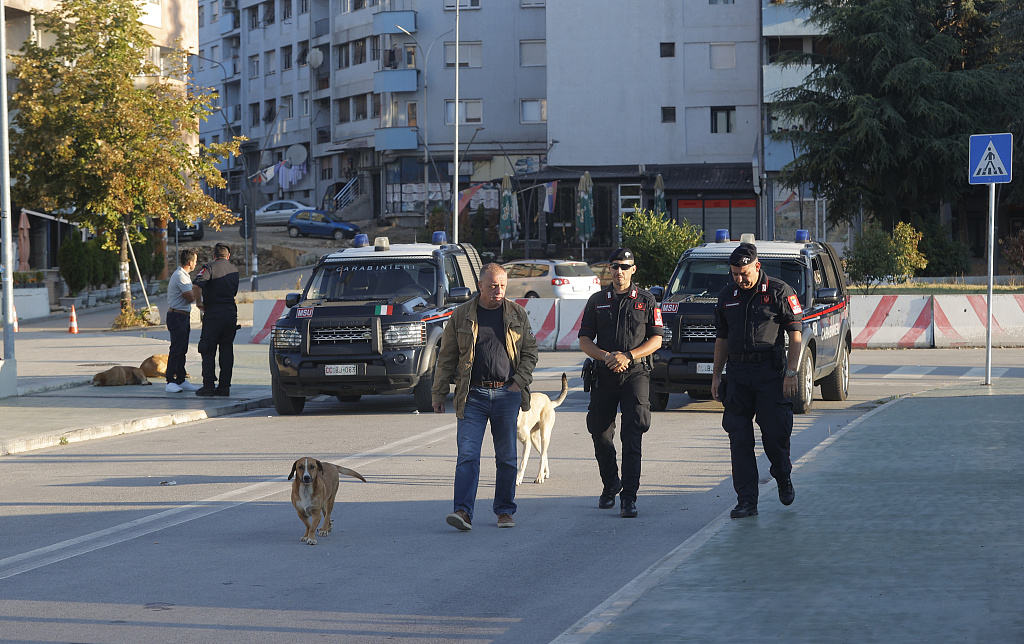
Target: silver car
x=277, y=213
x=547, y=278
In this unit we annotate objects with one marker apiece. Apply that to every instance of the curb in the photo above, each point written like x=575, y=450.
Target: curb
x=129, y=426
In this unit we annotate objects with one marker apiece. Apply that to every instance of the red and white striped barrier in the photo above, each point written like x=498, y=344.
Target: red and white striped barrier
x=570, y=314
x=543, y=314
x=264, y=314
x=891, y=321
x=960, y=320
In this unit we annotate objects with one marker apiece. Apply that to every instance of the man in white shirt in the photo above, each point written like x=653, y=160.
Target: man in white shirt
x=179, y=310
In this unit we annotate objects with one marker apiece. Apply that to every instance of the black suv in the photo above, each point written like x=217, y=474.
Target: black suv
x=185, y=232
x=684, y=362
x=370, y=322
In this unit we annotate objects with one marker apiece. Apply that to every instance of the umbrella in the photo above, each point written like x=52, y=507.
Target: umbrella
x=585, y=209
x=659, y=196
x=509, y=211
x=24, y=247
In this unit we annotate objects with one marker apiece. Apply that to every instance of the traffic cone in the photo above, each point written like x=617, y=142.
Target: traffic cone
x=15, y=319
x=74, y=321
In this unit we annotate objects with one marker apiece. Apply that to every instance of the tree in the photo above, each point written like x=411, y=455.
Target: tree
x=657, y=243
x=100, y=133
x=877, y=257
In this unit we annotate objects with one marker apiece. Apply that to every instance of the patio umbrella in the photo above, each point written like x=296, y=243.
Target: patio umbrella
x=509, y=212
x=659, y=196
x=585, y=211
x=24, y=247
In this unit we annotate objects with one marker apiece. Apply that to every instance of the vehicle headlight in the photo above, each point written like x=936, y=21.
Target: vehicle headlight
x=286, y=338
x=666, y=336
x=405, y=335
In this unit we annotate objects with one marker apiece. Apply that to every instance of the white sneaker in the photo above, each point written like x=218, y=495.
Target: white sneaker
x=173, y=388
x=188, y=386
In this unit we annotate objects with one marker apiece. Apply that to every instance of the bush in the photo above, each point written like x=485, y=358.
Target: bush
x=75, y=263
x=877, y=257
x=1013, y=251
x=658, y=243
x=946, y=256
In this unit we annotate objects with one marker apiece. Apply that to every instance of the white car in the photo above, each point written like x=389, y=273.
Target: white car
x=546, y=278
x=277, y=213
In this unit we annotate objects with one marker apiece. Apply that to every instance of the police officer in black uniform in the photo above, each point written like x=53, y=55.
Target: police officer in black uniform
x=751, y=316
x=215, y=287
x=621, y=325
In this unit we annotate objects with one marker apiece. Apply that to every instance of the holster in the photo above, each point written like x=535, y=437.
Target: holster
x=589, y=374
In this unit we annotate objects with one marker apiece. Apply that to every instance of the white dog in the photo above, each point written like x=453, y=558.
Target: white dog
x=535, y=427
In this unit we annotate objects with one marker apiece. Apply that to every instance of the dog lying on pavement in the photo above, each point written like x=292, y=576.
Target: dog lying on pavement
x=313, y=493
x=116, y=376
x=155, y=366
x=535, y=427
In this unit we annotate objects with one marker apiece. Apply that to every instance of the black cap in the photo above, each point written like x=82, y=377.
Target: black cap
x=622, y=253
x=220, y=248
x=744, y=255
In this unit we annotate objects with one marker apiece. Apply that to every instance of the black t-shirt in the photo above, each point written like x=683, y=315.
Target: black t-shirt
x=754, y=320
x=490, y=360
x=219, y=282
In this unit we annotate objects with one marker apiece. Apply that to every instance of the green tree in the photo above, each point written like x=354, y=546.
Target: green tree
x=75, y=263
x=658, y=243
x=100, y=133
x=877, y=257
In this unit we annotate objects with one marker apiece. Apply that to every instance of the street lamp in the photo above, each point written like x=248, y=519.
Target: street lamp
x=455, y=193
x=314, y=59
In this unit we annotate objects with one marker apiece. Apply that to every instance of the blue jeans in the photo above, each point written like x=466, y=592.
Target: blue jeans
x=501, y=407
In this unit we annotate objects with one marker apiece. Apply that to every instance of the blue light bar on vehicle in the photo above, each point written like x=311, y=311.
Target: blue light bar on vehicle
x=360, y=240
x=803, y=235
x=721, y=235
x=439, y=238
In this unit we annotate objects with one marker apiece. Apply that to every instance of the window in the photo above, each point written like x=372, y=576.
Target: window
x=532, y=53
x=410, y=56
x=303, y=53
x=341, y=56
x=286, y=9
x=359, y=107
x=270, y=62
x=287, y=104
x=463, y=4
x=286, y=58
x=470, y=54
x=375, y=100
x=358, y=52
x=214, y=11
x=533, y=110
x=668, y=115
x=202, y=15
x=199, y=58
x=374, y=47
x=723, y=55
x=304, y=103
x=268, y=13
x=343, y=107
x=303, y=6
x=358, y=4
x=668, y=50
x=531, y=3
x=254, y=114
x=778, y=45
x=254, y=66
x=254, y=18
x=214, y=51
x=411, y=117
x=270, y=113
x=723, y=120
x=470, y=111
x=721, y=1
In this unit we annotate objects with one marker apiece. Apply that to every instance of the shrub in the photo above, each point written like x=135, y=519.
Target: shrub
x=74, y=263
x=1013, y=251
x=878, y=257
x=658, y=243
x=946, y=256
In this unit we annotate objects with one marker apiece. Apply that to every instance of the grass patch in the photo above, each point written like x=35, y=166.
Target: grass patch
x=1015, y=286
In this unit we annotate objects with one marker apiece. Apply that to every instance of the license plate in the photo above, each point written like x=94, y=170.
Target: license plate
x=705, y=367
x=340, y=370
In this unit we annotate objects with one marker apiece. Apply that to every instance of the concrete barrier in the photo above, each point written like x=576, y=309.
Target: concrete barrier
x=264, y=314
x=891, y=321
x=570, y=314
x=960, y=320
x=543, y=314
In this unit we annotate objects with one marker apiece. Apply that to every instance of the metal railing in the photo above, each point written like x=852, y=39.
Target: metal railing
x=347, y=194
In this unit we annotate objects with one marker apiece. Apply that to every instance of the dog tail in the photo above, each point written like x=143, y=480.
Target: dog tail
x=352, y=473
x=565, y=392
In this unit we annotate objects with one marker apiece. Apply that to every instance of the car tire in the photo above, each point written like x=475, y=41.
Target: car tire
x=531, y=295
x=659, y=400
x=421, y=392
x=348, y=398
x=836, y=385
x=701, y=393
x=339, y=234
x=284, y=404
x=804, y=398
x=293, y=231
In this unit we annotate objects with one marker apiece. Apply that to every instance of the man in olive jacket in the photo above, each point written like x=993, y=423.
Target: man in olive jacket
x=489, y=352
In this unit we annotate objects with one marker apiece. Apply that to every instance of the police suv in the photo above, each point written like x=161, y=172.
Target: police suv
x=813, y=269
x=370, y=321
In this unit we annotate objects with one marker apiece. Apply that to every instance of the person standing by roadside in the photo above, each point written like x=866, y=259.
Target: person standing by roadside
x=751, y=318
x=180, y=297
x=621, y=324
x=215, y=287
x=489, y=352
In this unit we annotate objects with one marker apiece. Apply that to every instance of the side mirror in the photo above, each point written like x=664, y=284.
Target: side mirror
x=827, y=295
x=292, y=299
x=458, y=295
x=658, y=292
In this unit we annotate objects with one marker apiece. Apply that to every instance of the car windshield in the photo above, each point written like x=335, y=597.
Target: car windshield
x=372, y=280
x=706, y=277
x=573, y=270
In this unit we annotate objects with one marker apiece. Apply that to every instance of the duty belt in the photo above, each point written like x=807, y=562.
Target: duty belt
x=489, y=384
x=754, y=356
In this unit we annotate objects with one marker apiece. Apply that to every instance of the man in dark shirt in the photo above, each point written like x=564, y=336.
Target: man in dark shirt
x=750, y=318
x=215, y=288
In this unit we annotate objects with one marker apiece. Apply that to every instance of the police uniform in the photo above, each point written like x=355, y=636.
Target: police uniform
x=620, y=323
x=754, y=322
x=219, y=283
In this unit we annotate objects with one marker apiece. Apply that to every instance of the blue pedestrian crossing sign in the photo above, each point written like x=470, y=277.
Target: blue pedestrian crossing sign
x=991, y=158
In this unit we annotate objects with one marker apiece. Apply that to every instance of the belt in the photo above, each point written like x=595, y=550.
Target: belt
x=755, y=356
x=489, y=384
x=169, y=310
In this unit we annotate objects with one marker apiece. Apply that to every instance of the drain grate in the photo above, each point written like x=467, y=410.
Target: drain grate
x=100, y=364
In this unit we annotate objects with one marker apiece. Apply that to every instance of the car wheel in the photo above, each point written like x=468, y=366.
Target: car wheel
x=701, y=393
x=804, y=398
x=531, y=294
x=421, y=392
x=293, y=231
x=339, y=234
x=348, y=398
x=836, y=385
x=284, y=404
x=659, y=400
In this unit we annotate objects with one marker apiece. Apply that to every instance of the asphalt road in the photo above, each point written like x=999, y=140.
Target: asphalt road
x=187, y=534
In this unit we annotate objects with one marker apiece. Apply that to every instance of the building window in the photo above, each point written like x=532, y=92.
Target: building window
x=723, y=55
x=721, y=1
x=254, y=114
x=777, y=45
x=463, y=4
x=343, y=106
x=303, y=6
x=341, y=56
x=303, y=53
x=214, y=51
x=411, y=116
x=374, y=47
x=668, y=115
x=286, y=9
x=268, y=13
x=200, y=57
x=286, y=106
x=532, y=3
x=723, y=120
x=359, y=107
x=254, y=66
x=304, y=103
x=358, y=52
x=202, y=15
x=375, y=101
x=214, y=11
x=270, y=62
x=270, y=113
x=668, y=50
x=358, y=4
x=286, y=58
x=254, y=18
x=533, y=110
x=470, y=111
x=532, y=53
x=470, y=54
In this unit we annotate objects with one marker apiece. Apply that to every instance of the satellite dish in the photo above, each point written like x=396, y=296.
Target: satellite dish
x=296, y=154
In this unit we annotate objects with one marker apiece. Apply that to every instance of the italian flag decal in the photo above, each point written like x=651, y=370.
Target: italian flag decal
x=383, y=310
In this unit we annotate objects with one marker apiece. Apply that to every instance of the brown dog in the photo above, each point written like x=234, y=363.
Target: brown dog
x=313, y=493
x=155, y=366
x=116, y=376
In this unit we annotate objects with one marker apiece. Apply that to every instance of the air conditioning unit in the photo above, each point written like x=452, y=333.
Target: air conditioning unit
x=230, y=4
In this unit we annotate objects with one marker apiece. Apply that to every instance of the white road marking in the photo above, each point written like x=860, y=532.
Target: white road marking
x=909, y=371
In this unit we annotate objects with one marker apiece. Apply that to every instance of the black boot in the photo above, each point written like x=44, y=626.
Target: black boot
x=786, y=492
x=607, y=499
x=627, y=508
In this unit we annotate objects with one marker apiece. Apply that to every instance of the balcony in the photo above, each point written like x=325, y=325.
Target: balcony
x=395, y=80
x=394, y=138
x=388, y=22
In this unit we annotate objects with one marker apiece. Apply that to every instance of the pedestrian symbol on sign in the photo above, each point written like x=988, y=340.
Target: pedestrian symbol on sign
x=991, y=164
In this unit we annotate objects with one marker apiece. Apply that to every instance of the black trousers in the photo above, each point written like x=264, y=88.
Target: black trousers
x=218, y=334
x=178, y=327
x=754, y=391
x=630, y=392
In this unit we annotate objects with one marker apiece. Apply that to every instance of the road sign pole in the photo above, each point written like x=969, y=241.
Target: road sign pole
x=991, y=274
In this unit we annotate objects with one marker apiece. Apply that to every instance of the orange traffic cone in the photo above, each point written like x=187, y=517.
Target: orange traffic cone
x=15, y=319
x=74, y=321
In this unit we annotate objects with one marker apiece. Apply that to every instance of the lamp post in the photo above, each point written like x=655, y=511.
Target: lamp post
x=455, y=194
x=8, y=381
x=314, y=59
x=455, y=175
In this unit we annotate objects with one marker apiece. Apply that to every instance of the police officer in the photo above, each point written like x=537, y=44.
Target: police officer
x=621, y=325
x=751, y=316
x=215, y=288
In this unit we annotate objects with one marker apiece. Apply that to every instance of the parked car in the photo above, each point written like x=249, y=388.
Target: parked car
x=603, y=270
x=185, y=232
x=548, y=278
x=277, y=213
x=320, y=223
